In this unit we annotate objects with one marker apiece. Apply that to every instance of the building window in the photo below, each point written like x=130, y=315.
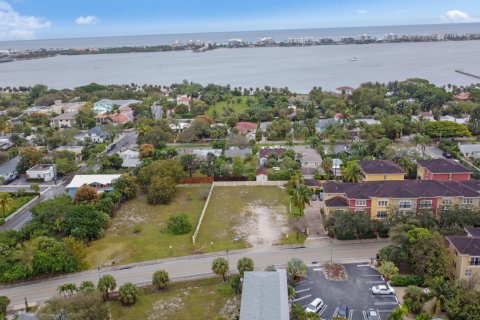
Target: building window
x=468, y=273
x=405, y=204
x=382, y=203
x=475, y=261
x=360, y=203
x=468, y=201
x=359, y=210
x=447, y=201
x=384, y=177
x=382, y=214
x=425, y=204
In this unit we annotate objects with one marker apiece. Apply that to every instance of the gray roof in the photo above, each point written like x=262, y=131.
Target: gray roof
x=65, y=116
x=265, y=296
x=237, y=152
x=9, y=167
x=97, y=131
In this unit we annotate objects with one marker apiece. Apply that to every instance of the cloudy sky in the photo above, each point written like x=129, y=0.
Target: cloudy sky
x=43, y=19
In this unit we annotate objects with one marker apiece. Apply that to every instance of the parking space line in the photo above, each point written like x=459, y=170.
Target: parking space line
x=317, y=269
x=384, y=296
x=350, y=315
x=363, y=265
x=375, y=281
x=322, y=310
x=336, y=312
x=302, y=298
x=303, y=290
x=371, y=275
x=364, y=315
x=385, y=303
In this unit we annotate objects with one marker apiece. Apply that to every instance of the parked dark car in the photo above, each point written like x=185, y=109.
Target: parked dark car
x=447, y=155
x=343, y=312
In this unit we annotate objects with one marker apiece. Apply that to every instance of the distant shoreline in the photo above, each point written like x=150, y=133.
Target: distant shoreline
x=233, y=43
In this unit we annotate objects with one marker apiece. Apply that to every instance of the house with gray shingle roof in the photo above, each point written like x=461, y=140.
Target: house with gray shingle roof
x=265, y=296
x=464, y=254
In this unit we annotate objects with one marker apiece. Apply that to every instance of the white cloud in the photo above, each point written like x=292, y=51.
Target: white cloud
x=457, y=16
x=14, y=26
x=87, y=20
x=362, y=11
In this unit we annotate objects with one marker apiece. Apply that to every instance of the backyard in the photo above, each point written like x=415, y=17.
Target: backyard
x=238, y=107
x=138, y=230
x=201, y=299
x=247, y=216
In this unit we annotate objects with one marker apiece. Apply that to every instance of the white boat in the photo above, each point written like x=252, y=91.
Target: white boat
x=353, y=59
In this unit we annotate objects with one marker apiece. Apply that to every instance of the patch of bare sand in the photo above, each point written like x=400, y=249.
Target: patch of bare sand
x=165, y=307
x=261, y=225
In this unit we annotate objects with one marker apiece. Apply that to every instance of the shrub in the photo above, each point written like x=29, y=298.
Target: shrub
x=160, y=279
x=179, y=224
x=2, y=221
x=137, y=229
x=128, y=294
x=406, y=280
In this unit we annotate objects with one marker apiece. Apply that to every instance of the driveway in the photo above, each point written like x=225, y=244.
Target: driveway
x=355, y=292
x=314, y=220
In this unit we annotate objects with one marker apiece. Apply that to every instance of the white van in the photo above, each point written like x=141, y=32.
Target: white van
x=315, y=306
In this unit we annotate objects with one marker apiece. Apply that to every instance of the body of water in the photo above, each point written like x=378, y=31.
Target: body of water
x=248, y=36
x=299, y=68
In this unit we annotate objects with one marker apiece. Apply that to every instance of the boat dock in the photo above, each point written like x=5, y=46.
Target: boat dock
x=467, y=74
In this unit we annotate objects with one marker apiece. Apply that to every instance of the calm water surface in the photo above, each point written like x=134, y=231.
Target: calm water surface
x=297, y=68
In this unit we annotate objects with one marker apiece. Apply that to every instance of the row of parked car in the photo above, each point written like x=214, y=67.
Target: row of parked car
x=343, y=312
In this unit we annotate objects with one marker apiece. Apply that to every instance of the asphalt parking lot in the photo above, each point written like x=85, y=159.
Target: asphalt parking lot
x=355, y=292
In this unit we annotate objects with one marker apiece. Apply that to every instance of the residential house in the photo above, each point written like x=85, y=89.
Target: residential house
x=464, y=254
x=469, y=150
x=323, y=124
x=346, y=90
x=124, y=115
x=77, y=150
x=456, y=120
x=45, y=172
x=337, y=167
x=261, y=175
x=463, y=96
x=60, y=107
x=107, y=105
x=183, y=99
x=367, y=121
x=266, y=151
x=179, y=126
x=246, y=127
x=308, y=157
x=442, y=169
x=8, y=170
x=424, y=115
x=233, y=152
x=378, y=170
x=336, y=149
x=64, y=120
x=96, y=134
x=378, y=198
x=157, y=111
x=38, y=109
x=101, y=182
x=131, y=158
x=265, y=296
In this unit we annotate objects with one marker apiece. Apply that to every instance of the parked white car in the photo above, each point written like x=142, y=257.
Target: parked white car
x=383, y=289
x=315, y=306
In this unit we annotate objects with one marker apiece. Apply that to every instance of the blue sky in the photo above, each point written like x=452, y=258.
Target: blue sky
x=30, y=19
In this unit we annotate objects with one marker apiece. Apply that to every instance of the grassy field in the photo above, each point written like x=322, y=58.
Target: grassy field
x=138, y=230
x=193, y=300
x=18, y=202
x=258, y=215
x=238, y=107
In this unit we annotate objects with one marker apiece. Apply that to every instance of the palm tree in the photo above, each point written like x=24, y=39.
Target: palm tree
x=301, y=196
x=160, y=279
x=244, y=264
x=128, y=294
x=6, y=201
x=106, y=284
x=87, y=287
x=439, y=289
x=419, y=139
x=220, y=267
x=351, y=172
x=67, y=289
x=296, y=269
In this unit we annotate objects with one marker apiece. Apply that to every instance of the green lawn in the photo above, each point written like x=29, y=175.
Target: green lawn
x=18, y=202
x=259, y=215
x=194, y=300
x=237, y=107
x=138, y=230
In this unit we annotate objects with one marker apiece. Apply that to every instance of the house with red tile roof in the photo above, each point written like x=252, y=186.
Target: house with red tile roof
x=442, y=170
x=246, y=127
x=464, y=96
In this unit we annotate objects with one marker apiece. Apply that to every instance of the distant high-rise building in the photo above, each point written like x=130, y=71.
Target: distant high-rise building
x=300, y=41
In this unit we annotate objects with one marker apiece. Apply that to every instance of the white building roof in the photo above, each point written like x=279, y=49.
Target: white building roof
x=82, y=179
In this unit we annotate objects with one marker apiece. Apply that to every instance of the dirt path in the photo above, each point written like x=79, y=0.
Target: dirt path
x=314, y=220
x=263, y=226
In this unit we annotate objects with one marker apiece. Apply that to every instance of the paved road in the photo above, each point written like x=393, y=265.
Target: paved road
x=17, y=222
x=128, y=140
x=193, y=267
